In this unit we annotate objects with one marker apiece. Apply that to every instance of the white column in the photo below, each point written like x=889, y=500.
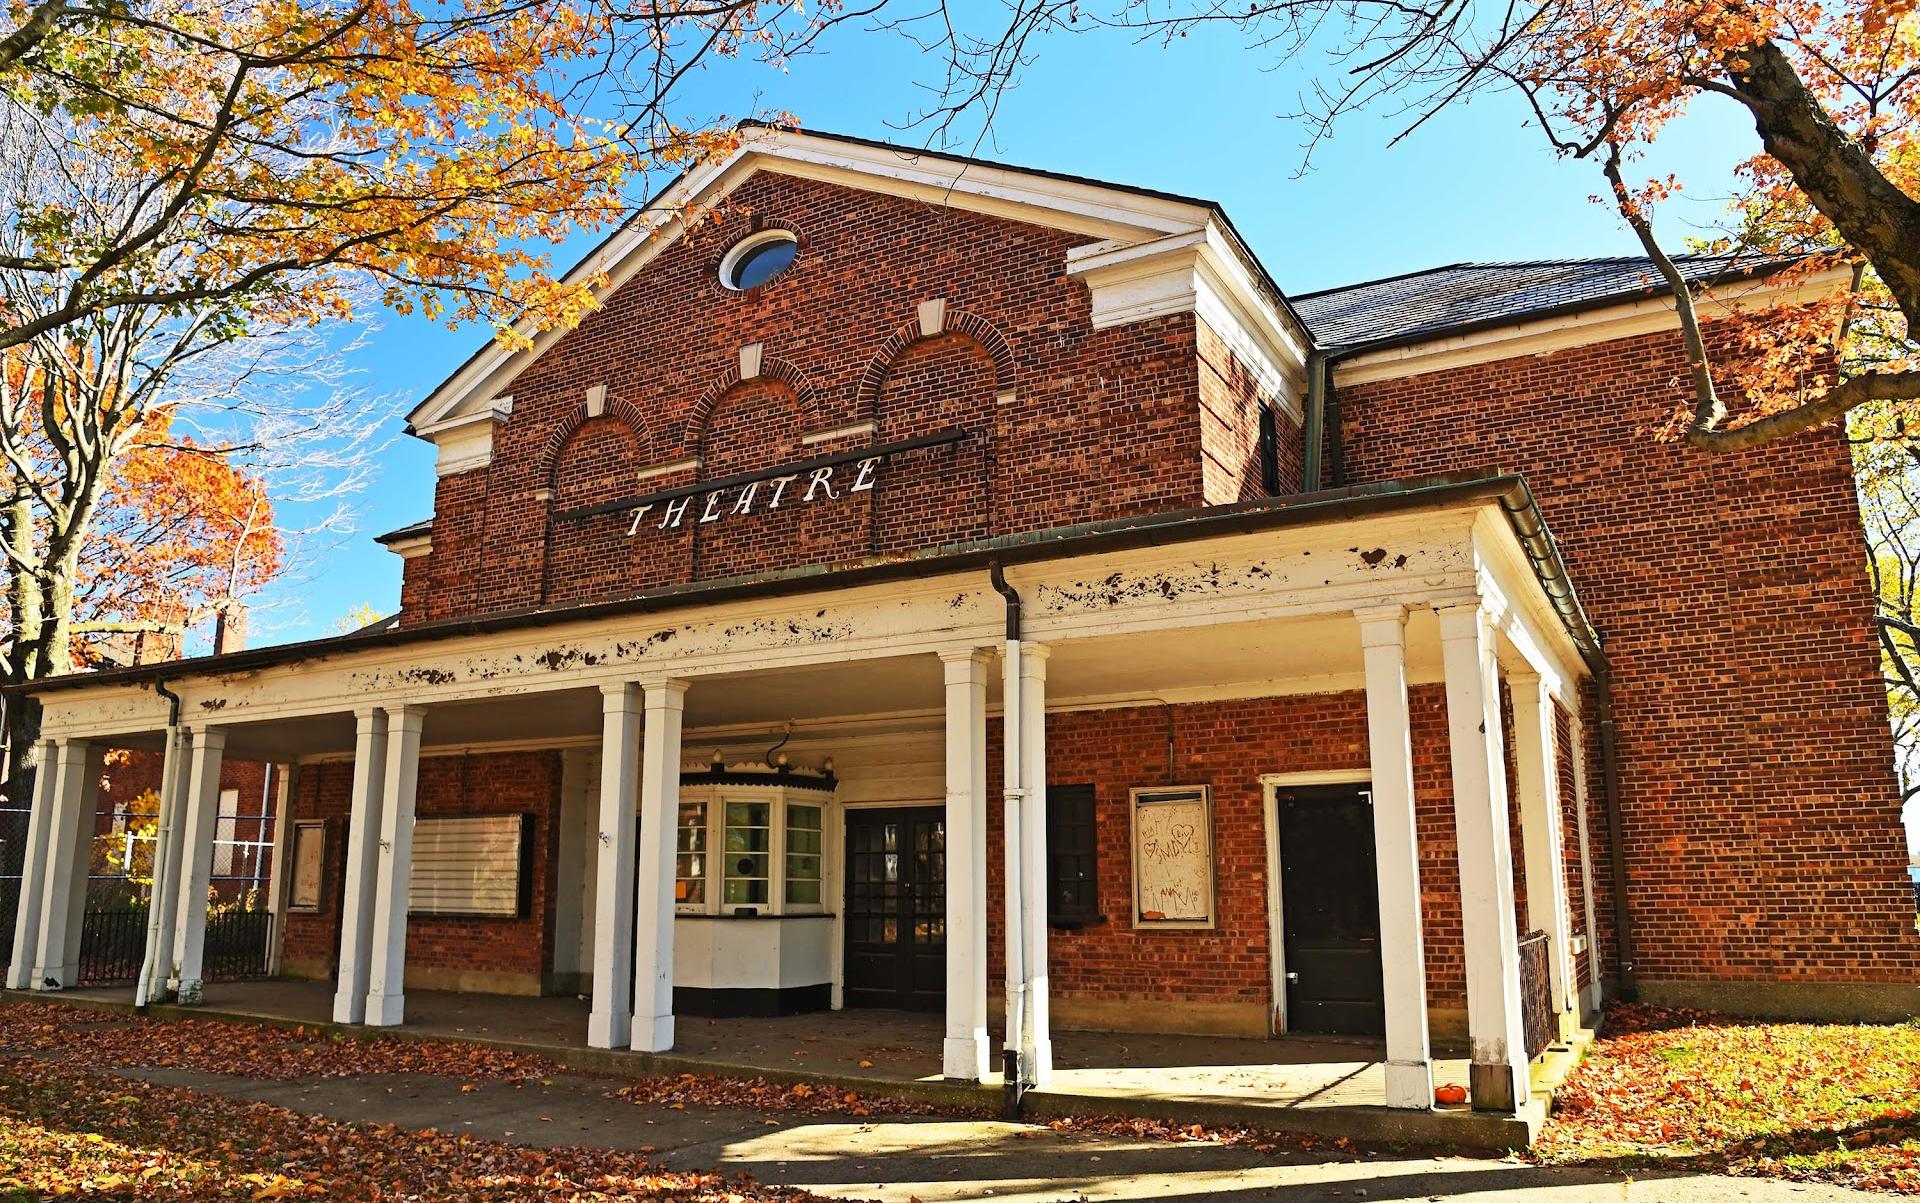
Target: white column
x=393, y=872
x=966, y=1055
x=199, y=821
x=91, y=772
x=278, y=885
x=362, y=846
x=610, y=1024
x=1396, y=849
x=1036, y=1034
x=1537, y=774
x=1499, y=1071
x=33, y=870
x=1577, y=738
x=666, y=703
x=163, y=896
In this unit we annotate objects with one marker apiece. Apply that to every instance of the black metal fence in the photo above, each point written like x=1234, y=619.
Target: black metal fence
x=1536, y=995
x=13, y=858
x=112, y=943
x=239, y=932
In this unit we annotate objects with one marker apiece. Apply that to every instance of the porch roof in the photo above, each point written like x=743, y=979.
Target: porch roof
x=1509, y=490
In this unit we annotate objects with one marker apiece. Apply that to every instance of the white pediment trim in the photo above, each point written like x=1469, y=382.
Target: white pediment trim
x=1115, y=217
x=465, y=439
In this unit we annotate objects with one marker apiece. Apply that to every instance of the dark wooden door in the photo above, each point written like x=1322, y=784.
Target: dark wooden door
x=896, y=908
x=1330, y=903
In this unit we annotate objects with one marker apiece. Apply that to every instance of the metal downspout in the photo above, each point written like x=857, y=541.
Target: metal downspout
x=1628, y=983
x=1012, y=1073
x=160, y=905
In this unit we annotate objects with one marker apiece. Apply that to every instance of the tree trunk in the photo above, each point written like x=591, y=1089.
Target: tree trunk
x=1835, y=171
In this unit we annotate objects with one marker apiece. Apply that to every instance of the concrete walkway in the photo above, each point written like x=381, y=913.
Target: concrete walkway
x=900, y=1160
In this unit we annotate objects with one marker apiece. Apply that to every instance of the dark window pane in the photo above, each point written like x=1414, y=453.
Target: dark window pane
x=763, y=263
x=1073, y=890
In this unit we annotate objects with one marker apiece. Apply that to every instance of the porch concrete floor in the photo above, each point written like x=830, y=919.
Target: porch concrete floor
x=1326, y=1086
x=890, y=1046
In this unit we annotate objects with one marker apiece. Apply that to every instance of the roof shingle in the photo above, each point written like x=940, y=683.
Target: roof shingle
x=1467, y=295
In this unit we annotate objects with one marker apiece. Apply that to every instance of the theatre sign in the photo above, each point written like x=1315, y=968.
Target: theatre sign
x=825, y=478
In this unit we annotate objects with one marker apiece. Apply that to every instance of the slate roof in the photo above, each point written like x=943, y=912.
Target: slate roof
x=1464, y=296
x=409, y=531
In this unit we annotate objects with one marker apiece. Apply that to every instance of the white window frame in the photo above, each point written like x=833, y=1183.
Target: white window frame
x=751, y=243
x=1211, y=920
x=777, y=798
x=703, y=907
x=819, y=800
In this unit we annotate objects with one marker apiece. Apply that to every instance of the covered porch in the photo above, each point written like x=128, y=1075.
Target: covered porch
x=1230, y=670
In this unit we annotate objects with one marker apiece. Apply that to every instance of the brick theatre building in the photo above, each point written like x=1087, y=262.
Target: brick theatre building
x=932, y=585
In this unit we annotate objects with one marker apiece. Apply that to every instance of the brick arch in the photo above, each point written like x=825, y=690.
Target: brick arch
x=958, y=321
x=618, y=408
x=805, y=396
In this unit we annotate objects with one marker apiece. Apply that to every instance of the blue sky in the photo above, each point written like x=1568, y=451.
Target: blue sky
x=1200, y=118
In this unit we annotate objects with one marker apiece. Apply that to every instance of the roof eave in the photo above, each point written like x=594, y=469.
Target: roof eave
x=1037, y=546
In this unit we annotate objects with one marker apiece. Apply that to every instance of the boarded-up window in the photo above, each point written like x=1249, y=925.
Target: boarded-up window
x=1173, y=857
x=469, y=865
x=309, y=865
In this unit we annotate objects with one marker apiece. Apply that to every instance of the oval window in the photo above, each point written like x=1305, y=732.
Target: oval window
x=757, y=259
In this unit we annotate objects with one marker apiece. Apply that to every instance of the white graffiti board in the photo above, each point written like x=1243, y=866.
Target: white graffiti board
x=1172, y=857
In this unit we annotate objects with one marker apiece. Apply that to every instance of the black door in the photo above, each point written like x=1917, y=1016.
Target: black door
x=1331, y=906
x=896, y=909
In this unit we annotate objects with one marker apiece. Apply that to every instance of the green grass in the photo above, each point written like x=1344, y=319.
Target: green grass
x=1821, y=1102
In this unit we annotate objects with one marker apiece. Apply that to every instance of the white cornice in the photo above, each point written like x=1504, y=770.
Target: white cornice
x=1200, y=272
x=1544, y=336
x=465, y=440
x=413, y=548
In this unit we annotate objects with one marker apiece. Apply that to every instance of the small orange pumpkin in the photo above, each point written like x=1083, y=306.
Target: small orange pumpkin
x=1450, y=1094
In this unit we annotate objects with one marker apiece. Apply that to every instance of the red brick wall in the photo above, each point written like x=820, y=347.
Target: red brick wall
x=1760, y=812
x=510, y=783
x=1227, y=745
x=1099, y=423
x=1230, y=403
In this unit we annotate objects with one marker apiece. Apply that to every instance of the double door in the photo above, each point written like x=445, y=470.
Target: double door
x=896, y=908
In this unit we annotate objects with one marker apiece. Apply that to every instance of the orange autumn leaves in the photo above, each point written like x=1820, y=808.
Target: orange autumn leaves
x=1683, y=1090
x=182, y=531
x=437, y=149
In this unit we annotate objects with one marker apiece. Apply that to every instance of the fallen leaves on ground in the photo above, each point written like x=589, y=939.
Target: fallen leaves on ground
x=827, y=1098
x=1834, y=1103
x=759, y=1094
x=68, y=1130
x=249, y=1050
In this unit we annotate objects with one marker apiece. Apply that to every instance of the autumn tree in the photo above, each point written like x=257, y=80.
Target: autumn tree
x=1832, y=90
x=1890, y=503
x=433, y=148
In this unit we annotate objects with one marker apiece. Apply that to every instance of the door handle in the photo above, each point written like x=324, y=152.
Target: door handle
x=1293, y=979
